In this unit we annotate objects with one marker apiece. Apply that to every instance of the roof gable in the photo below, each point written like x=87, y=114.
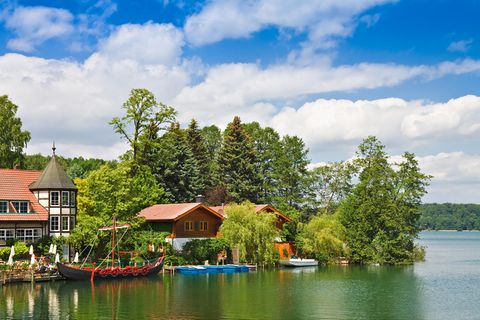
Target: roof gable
x=173, y=212
x=14, y=185
x=258, y=208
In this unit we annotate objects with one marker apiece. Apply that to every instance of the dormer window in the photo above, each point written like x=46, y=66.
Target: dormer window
x=20, y=206
x=3, y=206
x=54, y=198
x=65, y=198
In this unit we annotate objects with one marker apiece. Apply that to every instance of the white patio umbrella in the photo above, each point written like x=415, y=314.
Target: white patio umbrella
x=32, y=260
x=76, y=258
x=57, y=258
x=153, y=248
x=31, y=250
x=54, y=249
x=12, y=251
x=51, y=248
x=10, y=260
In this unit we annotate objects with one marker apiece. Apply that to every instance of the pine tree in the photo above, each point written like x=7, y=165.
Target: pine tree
x=176, y=168
x=197, y=144
x=237, y=164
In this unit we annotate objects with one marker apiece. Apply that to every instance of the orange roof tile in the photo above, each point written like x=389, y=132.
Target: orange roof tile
x=173, y=212
x=14, y=185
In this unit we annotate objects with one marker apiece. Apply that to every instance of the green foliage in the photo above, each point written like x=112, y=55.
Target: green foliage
x=196, y=142
x=449, y=216
x=12, y=139
x=21, y=251
x=290, y=174
x=381, y=213
x=175, y=166
x=111, y=191
x=330, y=185
x=323, y=237
x=253, y=233
x=145, y=116
x=197, y=251
x=237, y=164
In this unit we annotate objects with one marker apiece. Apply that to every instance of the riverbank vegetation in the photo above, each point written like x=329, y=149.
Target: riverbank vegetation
x=449, y=216
x=364, y=210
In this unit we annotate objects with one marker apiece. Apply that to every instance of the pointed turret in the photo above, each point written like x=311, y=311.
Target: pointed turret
x=53, y=177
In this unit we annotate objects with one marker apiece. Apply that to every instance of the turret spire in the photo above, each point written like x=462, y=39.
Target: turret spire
x=53, y=148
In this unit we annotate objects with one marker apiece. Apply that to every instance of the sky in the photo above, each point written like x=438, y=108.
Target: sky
x=331, y=72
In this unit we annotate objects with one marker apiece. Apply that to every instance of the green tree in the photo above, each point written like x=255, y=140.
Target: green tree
x=380, y=215
x=12, y=139
x=330, y=184
x=197, y=145
x=323, y=237
x=111, y=191
x=251, y=232
x=266, y=142
x=237, y=163
x=290, y=174
x=144, y=117
x=175, y=167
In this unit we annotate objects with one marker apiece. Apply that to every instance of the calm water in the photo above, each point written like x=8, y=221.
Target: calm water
x=446, y=286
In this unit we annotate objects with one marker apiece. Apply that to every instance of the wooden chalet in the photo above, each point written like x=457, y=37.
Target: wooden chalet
x=34, y=204
x=183, y=221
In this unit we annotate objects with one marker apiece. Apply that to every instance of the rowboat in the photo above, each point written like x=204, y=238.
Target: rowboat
x=298, y=262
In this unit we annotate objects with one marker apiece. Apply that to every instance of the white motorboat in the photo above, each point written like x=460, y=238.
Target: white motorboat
x=298, y=262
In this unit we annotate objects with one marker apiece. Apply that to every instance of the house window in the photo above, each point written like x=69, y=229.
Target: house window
x=3, y=206
x=188, y=225
x=203, y=225
x=54, y=223
x=65, y=222
x=72, y=222
x=65, y=198
x=72, y=198
x=20, y=206
x=28, y=235
x=54, y=198
x=5, y=235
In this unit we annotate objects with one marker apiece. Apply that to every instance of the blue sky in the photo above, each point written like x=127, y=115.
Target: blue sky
x=331, y=72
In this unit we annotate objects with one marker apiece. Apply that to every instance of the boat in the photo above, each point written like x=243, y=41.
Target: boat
x=229, y=268
x=74, y=272
x=298, y=262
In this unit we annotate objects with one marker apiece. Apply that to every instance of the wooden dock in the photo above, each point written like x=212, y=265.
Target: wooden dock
x=9, y=277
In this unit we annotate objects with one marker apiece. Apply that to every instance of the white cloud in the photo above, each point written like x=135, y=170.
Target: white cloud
x=149, y=43
x=34, y=25
x=460, y=46
x=397, y=122
x=321, y=19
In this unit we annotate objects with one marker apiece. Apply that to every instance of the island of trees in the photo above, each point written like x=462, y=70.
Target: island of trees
x=365, y=210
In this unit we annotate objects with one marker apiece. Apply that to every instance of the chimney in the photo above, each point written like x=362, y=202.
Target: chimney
x=200, y=199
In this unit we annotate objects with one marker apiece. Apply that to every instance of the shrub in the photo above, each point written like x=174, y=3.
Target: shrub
x=198, y=250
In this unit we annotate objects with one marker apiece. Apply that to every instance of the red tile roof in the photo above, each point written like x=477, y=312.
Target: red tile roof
x=258, y=208
x=14, y=185
x=172, y=212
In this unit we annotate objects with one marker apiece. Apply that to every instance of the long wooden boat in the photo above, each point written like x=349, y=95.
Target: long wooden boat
x=77, y=273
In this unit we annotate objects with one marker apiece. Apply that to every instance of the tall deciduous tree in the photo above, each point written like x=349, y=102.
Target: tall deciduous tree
x=12, y=139
x=144, y=116
x=237, y=163
x=112, y=191
x=381, y=213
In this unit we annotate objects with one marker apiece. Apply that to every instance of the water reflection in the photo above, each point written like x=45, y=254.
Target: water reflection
x=342, y=293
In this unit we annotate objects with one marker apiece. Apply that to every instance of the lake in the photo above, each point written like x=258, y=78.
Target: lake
x=445, y=286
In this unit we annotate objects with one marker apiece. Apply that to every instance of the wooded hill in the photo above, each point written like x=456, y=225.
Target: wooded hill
x=449, y=216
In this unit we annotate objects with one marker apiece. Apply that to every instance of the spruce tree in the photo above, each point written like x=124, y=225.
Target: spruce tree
x=198, y=147
x=237, y=164
x=176, y=168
